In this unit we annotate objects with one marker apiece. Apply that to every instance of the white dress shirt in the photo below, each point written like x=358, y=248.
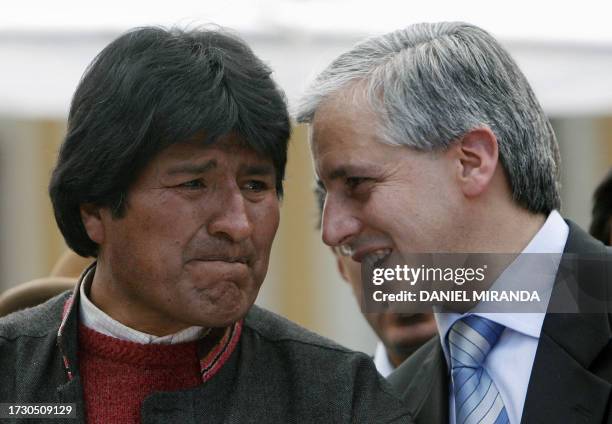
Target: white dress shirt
x=381, y=360
x=93, y=317
x=510, y=361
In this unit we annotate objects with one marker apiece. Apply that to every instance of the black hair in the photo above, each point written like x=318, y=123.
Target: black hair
x=601, y=224
x=150, y=88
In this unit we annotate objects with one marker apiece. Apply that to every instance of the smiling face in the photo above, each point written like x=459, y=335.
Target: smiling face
x=193, y=245
x=381, y=198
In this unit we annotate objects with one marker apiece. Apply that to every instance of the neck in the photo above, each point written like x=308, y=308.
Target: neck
x=502, y=229
x=496, y=223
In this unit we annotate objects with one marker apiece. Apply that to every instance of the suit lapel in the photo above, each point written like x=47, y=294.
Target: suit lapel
x=435, y=405
x=426, y=396
x=561, y=387
x=562, y=390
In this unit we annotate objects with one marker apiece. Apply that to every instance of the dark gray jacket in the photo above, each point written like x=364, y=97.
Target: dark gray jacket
x=279, y=373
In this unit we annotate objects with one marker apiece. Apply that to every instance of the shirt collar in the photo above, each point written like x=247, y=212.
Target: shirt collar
x=381, y=360
x=551, y=238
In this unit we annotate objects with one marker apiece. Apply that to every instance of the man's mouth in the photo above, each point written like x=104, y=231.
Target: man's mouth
x=373, y=258
x=223, y=258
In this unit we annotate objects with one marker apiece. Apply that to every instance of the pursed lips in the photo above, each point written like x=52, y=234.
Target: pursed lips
x=222, y=258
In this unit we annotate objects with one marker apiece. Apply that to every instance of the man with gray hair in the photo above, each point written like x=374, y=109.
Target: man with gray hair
x=430, y=139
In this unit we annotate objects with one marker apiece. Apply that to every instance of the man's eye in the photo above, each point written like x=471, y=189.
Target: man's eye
x=256, y=186
x=354, y=182
x=192, y=184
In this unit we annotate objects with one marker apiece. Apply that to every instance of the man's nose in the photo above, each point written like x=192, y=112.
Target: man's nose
x=232, y=221
x=339, y=223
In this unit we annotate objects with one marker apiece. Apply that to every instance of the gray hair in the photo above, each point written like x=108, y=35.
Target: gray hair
x=432, y=83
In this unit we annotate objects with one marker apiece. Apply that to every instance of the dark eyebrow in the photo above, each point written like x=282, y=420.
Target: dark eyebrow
x=191, y=168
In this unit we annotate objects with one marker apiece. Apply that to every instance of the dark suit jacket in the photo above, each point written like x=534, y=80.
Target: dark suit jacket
x=571, y=378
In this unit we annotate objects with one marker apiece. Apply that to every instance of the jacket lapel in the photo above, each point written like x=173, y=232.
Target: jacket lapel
x=426, y=396
x=562, y=387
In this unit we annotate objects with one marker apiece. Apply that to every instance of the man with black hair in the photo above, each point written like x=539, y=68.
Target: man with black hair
x=601, y=224
x=170, y=176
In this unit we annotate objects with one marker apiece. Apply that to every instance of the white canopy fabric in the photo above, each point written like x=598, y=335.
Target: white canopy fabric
x=564, y=49
x=584, y=21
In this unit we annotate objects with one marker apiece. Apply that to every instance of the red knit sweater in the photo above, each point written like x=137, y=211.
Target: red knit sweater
x=118, y=375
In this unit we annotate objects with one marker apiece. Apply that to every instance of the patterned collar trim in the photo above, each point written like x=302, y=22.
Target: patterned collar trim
x=213, y=350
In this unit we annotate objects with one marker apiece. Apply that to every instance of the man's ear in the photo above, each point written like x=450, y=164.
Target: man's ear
x=478, y=156
x=91, y=215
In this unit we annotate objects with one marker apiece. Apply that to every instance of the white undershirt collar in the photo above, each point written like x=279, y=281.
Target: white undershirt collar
x=381, y=360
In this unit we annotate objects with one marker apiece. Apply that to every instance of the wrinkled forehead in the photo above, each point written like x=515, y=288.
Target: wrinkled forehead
x=348, y=106
x=344, y=133
x=225, y=152
x=232, y=144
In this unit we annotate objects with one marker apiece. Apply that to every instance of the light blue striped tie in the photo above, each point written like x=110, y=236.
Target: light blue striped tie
x=477, y=399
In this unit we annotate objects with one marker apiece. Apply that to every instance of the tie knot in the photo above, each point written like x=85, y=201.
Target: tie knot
x=470, y=340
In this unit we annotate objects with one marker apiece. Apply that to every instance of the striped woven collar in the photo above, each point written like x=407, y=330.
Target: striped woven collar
x=213, y=350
